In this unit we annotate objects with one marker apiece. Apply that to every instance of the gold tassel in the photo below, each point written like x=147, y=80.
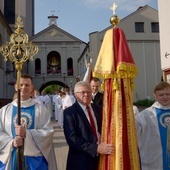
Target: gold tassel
x=115, y=84
x=102, y=86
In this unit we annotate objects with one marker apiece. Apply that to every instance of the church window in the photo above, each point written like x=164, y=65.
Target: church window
x=37, y=67
x=70, y=67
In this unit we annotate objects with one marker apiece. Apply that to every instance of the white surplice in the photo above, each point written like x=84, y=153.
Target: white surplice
x=60, y=111
x=38, y=141
x=149, y=139
x=55, y=98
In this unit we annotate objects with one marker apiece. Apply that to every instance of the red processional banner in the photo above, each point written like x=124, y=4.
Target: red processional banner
x=115, y=65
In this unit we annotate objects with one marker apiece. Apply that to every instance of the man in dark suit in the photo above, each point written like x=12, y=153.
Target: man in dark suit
x=82, y=137
x=97, y=97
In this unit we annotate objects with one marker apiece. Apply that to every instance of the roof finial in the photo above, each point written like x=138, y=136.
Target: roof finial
x=52, y=11
x=52, y=18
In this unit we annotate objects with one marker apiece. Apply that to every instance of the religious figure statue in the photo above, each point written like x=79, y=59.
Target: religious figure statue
x=54, y=61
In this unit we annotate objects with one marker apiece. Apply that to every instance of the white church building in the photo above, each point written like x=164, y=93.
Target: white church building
x=56, y=61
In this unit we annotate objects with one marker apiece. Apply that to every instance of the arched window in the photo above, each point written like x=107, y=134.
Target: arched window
x=70, y=67
x=37, y=67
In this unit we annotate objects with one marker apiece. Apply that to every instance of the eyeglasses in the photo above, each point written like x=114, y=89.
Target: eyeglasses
x=85, y=92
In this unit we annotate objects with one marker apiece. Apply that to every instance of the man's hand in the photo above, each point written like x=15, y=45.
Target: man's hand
x=105, y=148
x=20, y=131
x=18, y=141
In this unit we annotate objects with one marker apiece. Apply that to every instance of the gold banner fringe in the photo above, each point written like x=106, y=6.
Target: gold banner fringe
x=124, y=70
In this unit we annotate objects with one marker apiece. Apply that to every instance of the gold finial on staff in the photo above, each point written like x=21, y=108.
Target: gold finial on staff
x=19, y=50
x=114, y=20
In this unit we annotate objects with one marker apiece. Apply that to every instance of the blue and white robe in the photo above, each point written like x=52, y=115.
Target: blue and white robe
x=39, y=135
x=153, y=131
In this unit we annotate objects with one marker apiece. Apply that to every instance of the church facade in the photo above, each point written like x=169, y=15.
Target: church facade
x=56, y=61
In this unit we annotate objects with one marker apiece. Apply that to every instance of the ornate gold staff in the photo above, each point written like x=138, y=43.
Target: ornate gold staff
x=19, y=50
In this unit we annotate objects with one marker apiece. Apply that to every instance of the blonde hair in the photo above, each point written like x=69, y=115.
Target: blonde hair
x=160, y=86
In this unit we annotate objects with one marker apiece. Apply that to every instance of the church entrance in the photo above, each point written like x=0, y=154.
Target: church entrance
x=52, y=86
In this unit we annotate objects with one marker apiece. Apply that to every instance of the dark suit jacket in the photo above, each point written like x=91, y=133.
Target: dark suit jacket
x=98, y=99
x=82, y=143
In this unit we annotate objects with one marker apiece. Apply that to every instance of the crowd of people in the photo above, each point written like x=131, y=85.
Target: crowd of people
x=81, y=117
x=55, y=103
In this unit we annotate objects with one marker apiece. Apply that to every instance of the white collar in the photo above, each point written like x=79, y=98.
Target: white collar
x=84, y=106
x=159, y=106
x=26, y=103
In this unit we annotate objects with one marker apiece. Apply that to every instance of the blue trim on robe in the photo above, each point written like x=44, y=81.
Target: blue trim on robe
x=161, y=115
x=37, y=163
x=27, y=120
x=2, y=166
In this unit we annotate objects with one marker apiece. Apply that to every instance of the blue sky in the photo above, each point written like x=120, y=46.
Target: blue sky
x=81, y=17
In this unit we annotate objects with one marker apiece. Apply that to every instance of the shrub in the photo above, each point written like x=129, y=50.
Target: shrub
x=144, y=102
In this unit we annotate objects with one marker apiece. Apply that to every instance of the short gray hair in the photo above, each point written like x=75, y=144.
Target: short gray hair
x=81, y=84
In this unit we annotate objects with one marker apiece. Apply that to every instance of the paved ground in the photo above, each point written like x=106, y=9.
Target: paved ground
x=60, y=146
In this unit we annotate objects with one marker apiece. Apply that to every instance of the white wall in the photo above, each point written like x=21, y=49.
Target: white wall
x=164, y=23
